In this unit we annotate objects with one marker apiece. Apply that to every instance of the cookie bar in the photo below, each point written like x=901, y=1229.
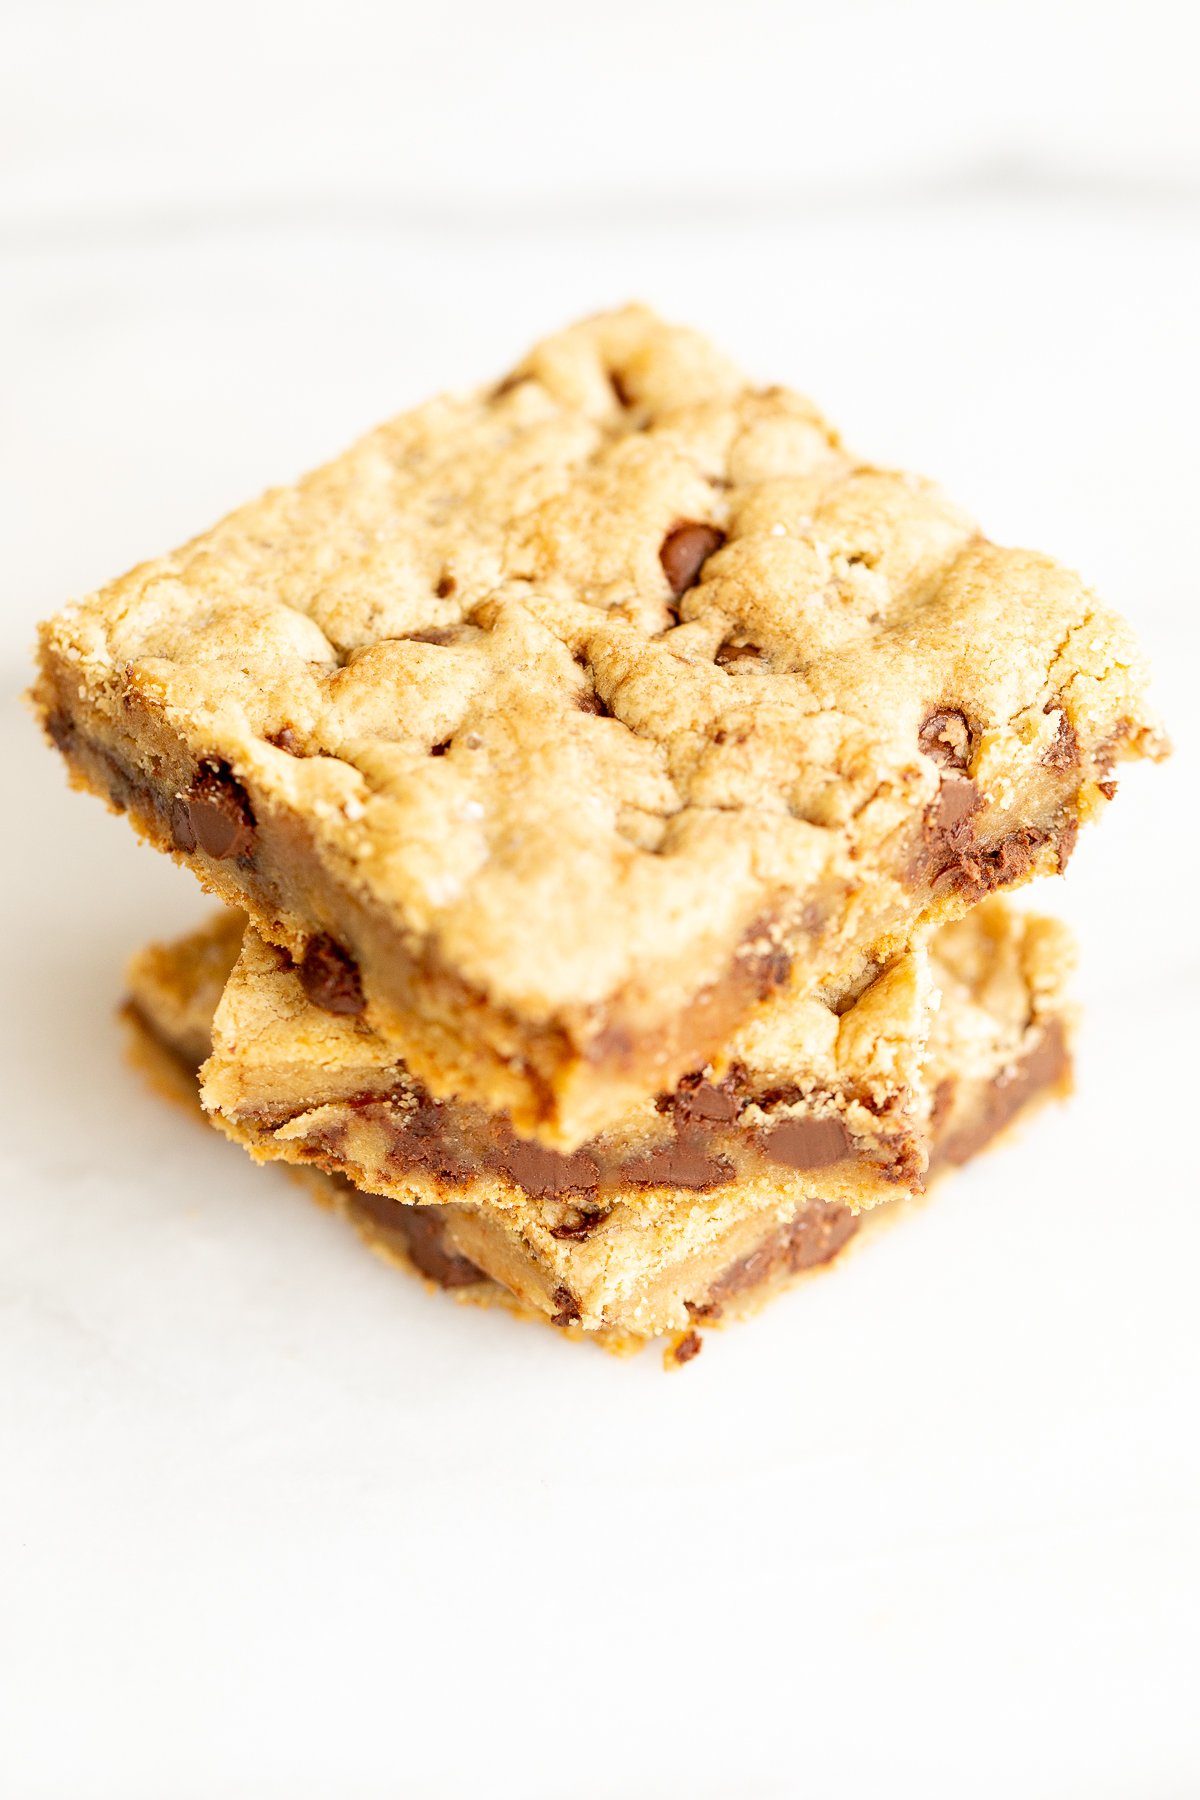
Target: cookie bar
x=173, y=992
x=650, y=1263
x=559, y=724
x=805, y=1090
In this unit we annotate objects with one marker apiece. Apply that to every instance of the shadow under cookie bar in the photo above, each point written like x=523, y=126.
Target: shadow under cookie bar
x=654, y=1264
x=559, y=726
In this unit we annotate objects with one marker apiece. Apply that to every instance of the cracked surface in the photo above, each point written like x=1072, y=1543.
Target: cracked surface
x=656, y=1261
x=578, y=710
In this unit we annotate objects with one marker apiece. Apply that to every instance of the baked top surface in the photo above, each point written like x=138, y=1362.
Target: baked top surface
x=574, y=675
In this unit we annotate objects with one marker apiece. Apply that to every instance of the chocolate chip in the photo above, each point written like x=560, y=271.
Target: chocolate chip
x=330, y=977
x=182, y=835
x=440, y=749
x=424, y=1233
x=214, y=815
x=567, y=1307
x=579, y=1225
x=808, y=1143
x=1064, y=751
x=685, y=550
x=735, y=653
x=706, y=1310
x=542, y=1171
x=446, y=585
x=688, y=1346
x=948, y=845
x=814, y=1236
x=435, y=634
x=958, y=798
x=592, y=703
x=947, y=738
x=696, y=1100
x=681, y=1163
x=285, y=739
x=768, y=964
x=1041, y=1070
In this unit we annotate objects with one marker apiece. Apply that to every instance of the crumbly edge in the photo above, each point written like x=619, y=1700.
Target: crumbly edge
x=807, y=1088
x=689, y=1240
x=553, y=1091
x=172, y=1076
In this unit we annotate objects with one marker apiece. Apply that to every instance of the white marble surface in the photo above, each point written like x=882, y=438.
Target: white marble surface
x=273, y=1521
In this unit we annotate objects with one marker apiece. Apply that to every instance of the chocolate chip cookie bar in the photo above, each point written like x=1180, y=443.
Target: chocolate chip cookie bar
x=554, y=727
x=650, y=1262
x=805, y=1090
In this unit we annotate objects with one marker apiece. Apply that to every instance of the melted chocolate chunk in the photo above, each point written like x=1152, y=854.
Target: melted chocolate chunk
x=182, y=835
x=696, y=1101
x=813, y=1237
x=684, y=1163
x=214, y=815
x=974, y=870
x=759, y=967
x=808, y=1143
x=546, y=1172
x=420, y=1141
x=947, y=739
x=566, y=1307
x=1064, y=751
x=424, y=1233
x=1044, y=1067
x=685, y=550
x=330, y=977
x=947, y=837
x=958, y=798
x=580, y=1225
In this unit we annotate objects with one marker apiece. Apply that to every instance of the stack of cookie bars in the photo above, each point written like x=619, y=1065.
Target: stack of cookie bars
x=611, y=782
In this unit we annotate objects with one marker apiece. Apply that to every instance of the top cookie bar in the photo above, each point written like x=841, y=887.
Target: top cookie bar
x=559, y=724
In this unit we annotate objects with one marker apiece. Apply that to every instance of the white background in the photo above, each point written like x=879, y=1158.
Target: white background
x=274, y=1522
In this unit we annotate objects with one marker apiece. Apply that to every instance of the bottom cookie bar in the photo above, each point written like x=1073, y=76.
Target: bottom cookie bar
x=1000, y=1042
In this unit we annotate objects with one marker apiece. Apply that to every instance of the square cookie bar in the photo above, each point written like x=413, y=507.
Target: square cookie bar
x=558, y=725
x=654, y=1262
